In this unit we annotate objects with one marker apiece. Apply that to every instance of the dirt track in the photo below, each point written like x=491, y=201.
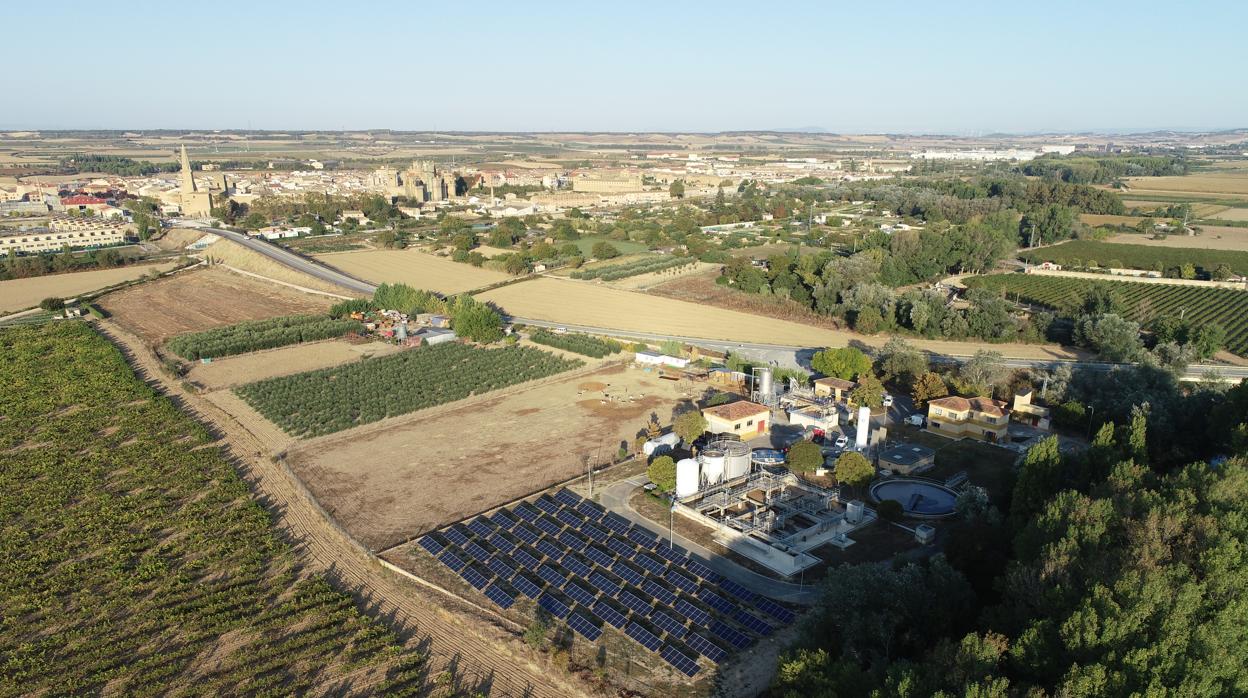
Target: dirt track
x=487, y=656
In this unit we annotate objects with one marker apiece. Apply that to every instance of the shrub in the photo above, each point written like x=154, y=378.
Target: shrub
x=804, y=457
x=890, y=510
x=52, y=304
x=578, y=343
x=662, y=472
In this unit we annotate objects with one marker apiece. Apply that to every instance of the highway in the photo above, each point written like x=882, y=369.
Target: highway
x=772, y=354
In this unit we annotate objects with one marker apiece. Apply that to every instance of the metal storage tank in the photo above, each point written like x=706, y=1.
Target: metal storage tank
x=762, y=384
x=687, y=477
x=736, y=459
x=665, y=442
x=712, y=465
x=853, y=512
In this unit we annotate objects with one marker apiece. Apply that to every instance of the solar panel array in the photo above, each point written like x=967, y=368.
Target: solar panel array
x=592, y=568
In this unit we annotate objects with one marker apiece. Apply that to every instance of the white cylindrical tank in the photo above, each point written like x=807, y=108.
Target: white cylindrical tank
x=712, y=466
x=665, y=442
x=864, y=425
x=687, y=477
x=853, y=512
x=762, y=375
x=736, y=458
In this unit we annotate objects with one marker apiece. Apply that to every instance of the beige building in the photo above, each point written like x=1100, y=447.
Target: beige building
x=64, y=231
x=607, y=184
x=745, y=419
x=1027, y=412
x=836, y=388
x=423, y=181
x=977, y=418
x=193, y=202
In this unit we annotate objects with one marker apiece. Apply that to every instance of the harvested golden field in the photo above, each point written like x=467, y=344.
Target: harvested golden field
x=593, y=305
x=1094, y=219
x=248, y=368
x=19, y=294
x=232, y=254
x=203, y=299
x=1234, y=182
x=414, y=268
x=1212, y=237
x=1231, y=214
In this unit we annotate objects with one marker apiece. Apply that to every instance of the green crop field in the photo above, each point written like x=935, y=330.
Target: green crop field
x=1112, y=254
x=577, y=343
x=645, y=265
x=1141, y=301
x=260, y=334
x=135, y=560
x=332, y=399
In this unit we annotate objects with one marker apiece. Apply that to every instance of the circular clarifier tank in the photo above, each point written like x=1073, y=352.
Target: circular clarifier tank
x=920, y=499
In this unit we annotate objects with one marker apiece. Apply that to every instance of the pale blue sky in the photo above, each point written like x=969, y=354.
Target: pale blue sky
x=866, y=66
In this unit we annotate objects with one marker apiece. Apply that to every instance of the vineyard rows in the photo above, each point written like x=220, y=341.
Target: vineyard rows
x=577, y=343
x=332, y=399
x=1141, y=301
x=259, y=334
x=646, y=265
x=1111, y=254
x=136, y=560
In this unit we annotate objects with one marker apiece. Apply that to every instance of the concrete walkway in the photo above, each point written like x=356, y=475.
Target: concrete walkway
x=615, y=498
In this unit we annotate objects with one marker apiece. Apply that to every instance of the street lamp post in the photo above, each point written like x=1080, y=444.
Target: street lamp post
x=1091, y=411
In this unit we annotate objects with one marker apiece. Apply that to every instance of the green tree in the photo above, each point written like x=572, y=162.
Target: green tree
x=890, y=510
x=672, y=347
x=804, y=457
x=604, y=250
x=475, y=320
x=898, y=359
x=1222, y=272
x=846, y=363
x=662, y=472
x=689, y=425
x=1112, y=336
x=52, y=304
x=677, y=189
x=983, y=372
x=1208, y=339
x=869, y=392
x=1039, y=478
x=928, y=386
x=853, y=469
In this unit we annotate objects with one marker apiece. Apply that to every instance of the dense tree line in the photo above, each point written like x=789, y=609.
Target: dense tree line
x=26, y=266
x=1119, y=570
x=259, y=334
x=114, y=165
x=1104, y=170
x=578, y=343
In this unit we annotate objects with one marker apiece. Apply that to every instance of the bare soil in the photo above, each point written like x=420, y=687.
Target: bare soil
x=389, y=482
x=702, y=289
x=203, y=299
x=248, y=368
x=16, y=294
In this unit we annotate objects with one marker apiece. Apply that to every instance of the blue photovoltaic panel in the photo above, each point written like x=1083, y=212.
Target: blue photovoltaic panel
x=476, y=552
x=627, y=572
x=452, y=560
x=752, y=623
x=502, y=519
x=525, y=558
x=649, y=563
x=715, y=601
x=480, y=527
x=525, y=511
x=579, y=594
x=583, y=625
x=431, y=544
x=642, y=537
x=547, y=525
x=575, y=565
x=775, y=610
x=456, y=535
x=594, y=532
x=590, y=510
x=609, y=614
x=667, y=552
x=603, y=584
x=527, y=586
x=616, y=523
x=501, y=567
x=551, y=576
x=737, y=590
x=599, y=556
x=547, y=505
x=567, y=498
x=676, y=658
x=572, y=540
x=692, y=612
x=633, y=603
x=621, y=547
x=732, y=637
x=699, y=569
x=501, y=542
x=681, y=582
x=668, y=624
x=474, y=577
x=549, y=549
x=706, y=648
x=526, y=533
x=643, y=636
x=497, y=595
x=569, y=518
x=556, y=607
x=659, y=592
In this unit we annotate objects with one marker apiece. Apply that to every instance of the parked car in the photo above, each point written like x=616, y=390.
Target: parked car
x=888, y=400
x=915, y=420
x=842, y=441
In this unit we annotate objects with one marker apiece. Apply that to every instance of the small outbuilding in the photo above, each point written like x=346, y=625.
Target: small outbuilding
x=745, y=419
x=907, y=459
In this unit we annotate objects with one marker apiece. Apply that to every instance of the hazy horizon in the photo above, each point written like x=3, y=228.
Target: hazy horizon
x=960, y=69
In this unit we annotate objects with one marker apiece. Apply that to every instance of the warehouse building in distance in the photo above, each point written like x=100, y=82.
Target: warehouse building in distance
x=66, y=231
